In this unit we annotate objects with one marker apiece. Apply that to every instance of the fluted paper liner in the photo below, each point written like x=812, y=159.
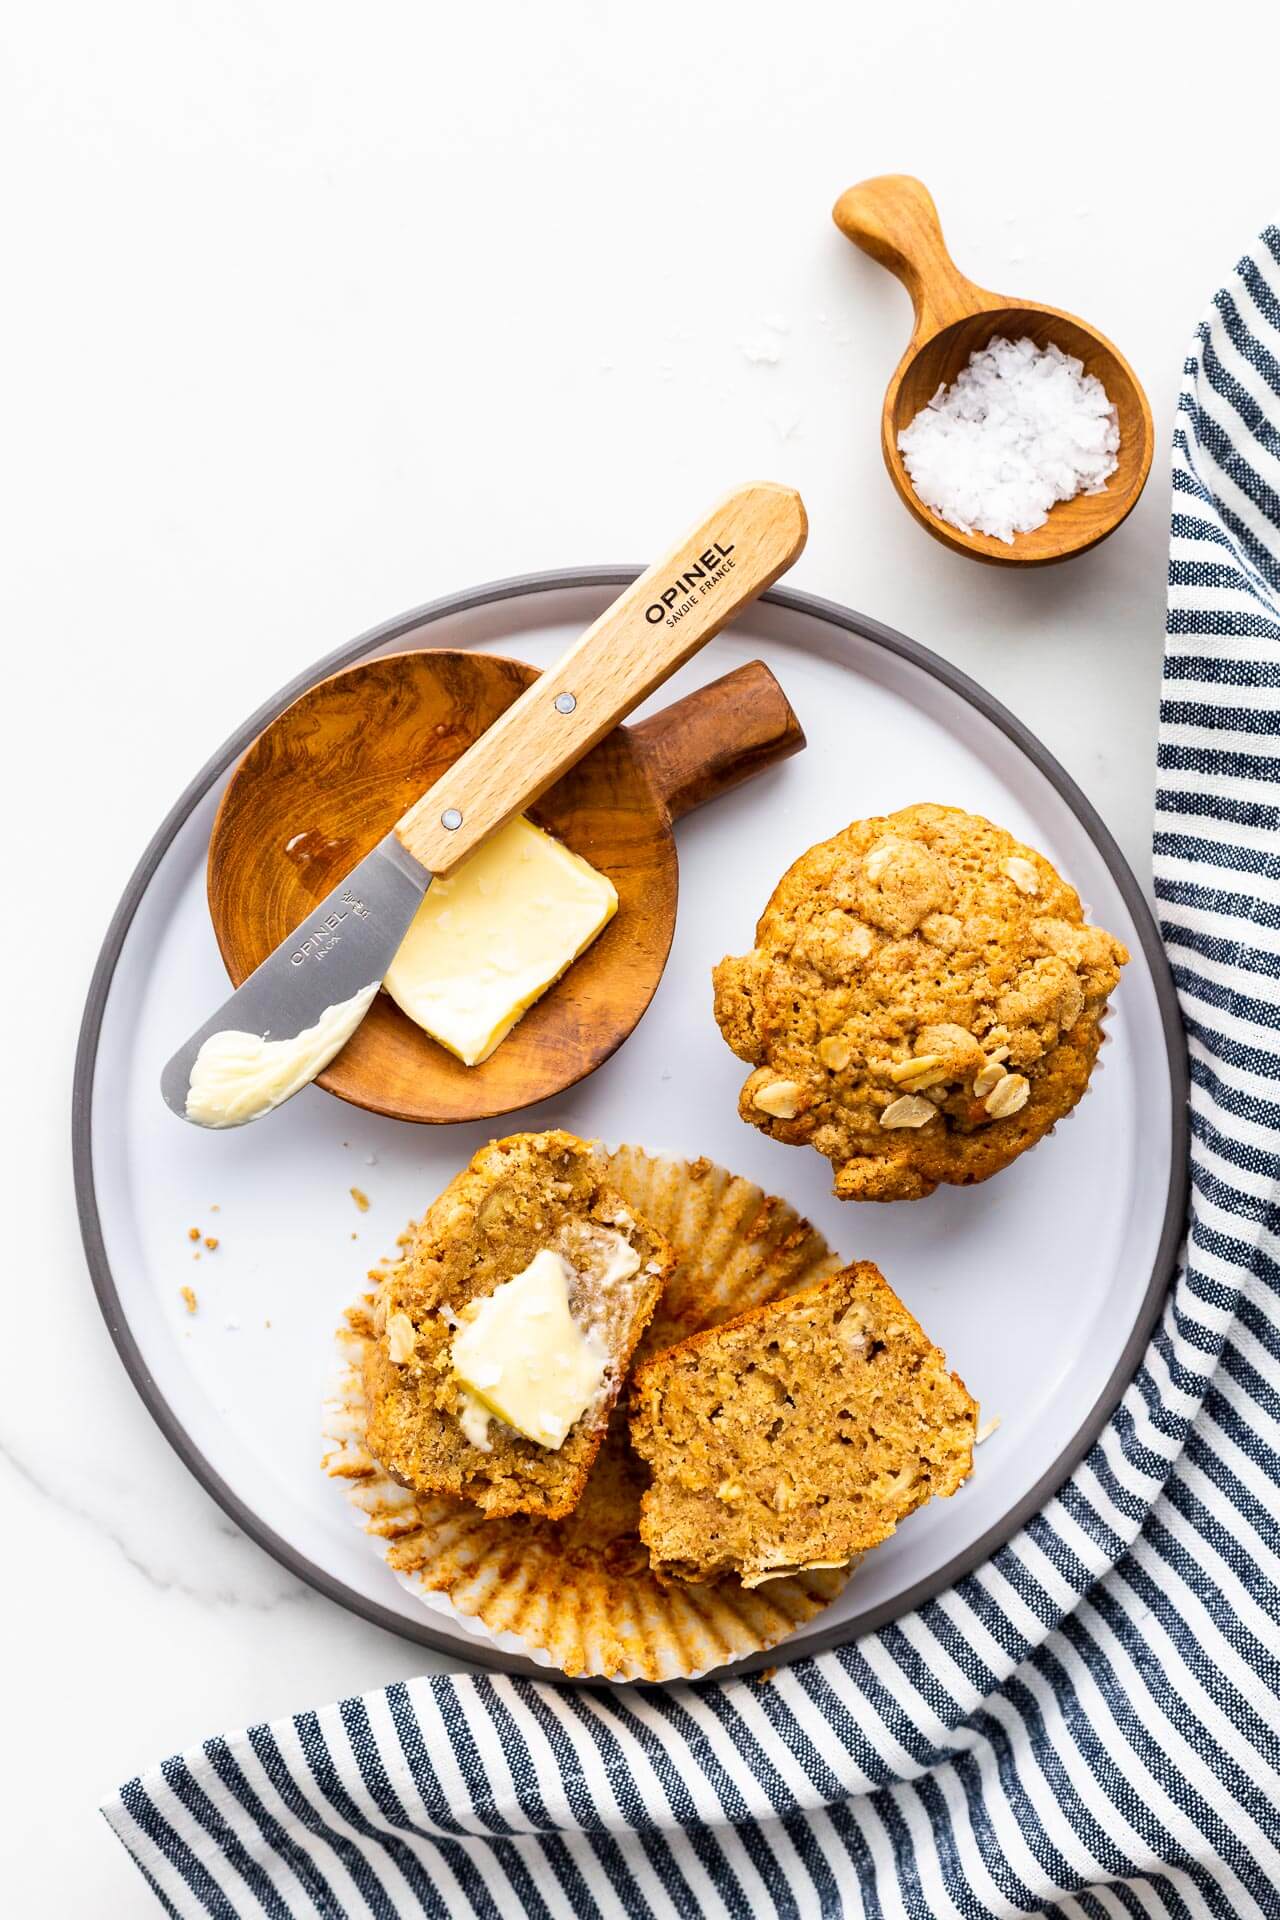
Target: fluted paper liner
x=578, y=1593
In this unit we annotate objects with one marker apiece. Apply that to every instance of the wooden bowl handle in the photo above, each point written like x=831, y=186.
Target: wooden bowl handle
x=893, y=218
x=717, y=737
x=653, y=627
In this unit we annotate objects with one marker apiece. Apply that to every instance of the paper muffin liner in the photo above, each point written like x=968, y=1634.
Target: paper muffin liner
x=578, y=1593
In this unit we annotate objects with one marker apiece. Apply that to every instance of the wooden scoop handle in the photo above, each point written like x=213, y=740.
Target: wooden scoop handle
x=717, y=737
x=893, y=218
x=651, y=629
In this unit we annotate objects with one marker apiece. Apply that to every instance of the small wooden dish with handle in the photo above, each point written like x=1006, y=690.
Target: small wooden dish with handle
x=893, y=218
x=319, y=788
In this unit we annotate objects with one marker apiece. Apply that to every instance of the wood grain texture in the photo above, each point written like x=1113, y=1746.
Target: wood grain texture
x=326, y=779
x=893, y=218
x=714, y=739
x=738, y=550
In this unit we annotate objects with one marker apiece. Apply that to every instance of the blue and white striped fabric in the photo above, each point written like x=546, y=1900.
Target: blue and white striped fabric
x=1087, y=1726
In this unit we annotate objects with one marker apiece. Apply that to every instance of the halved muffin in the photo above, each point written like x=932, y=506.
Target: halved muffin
x=503, y=1337
x=579, y=1591
x=798, y=1435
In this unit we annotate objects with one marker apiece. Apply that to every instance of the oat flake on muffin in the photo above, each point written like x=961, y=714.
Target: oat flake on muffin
x=923, y=1002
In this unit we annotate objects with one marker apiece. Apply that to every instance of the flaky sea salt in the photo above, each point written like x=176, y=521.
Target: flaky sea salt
x=1022, y=428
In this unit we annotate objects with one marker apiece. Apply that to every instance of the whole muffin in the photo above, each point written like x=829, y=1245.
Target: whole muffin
x=924, y=1000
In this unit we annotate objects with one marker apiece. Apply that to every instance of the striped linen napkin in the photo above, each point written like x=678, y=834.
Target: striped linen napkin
x=1086, y=1726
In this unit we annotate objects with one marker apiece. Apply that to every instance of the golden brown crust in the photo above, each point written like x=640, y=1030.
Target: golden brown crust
x=923, y=1002
x=516, y=1197
x=797, y=1435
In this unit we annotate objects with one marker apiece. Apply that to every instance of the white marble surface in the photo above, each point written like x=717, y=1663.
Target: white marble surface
x=313, y=312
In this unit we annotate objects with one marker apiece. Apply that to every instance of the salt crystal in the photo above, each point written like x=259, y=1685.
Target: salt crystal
x=1022, y=428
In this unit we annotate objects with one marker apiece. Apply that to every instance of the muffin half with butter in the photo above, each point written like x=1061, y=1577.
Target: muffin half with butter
x=503, y=1338
x=923, y=1002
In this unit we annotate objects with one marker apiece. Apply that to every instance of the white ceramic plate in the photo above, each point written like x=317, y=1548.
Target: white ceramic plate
x=1042, y=1285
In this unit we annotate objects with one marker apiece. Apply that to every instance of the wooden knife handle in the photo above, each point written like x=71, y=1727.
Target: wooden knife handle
x=651, y=629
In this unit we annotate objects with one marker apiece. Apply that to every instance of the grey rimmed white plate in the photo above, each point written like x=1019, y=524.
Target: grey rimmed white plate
x=1043, y=1285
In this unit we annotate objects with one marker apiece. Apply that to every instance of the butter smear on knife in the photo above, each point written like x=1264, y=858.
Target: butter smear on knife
x=488, y=941
x=238, y=1077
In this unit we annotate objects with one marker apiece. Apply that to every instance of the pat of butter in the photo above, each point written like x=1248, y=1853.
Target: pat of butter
x=488, y=941
x=523, y=1357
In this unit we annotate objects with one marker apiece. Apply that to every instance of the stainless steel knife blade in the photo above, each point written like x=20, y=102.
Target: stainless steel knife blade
x=346, y=943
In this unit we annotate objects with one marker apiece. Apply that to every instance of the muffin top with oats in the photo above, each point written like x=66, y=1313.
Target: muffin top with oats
x=924, y=1000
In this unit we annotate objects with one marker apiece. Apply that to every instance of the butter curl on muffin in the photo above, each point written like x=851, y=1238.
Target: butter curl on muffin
x=923, y=1003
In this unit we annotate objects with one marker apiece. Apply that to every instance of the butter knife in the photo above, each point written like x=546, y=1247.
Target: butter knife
x=299, y=1008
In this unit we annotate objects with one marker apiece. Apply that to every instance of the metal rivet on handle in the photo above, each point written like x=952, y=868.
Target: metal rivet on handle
x=565, y=703
x=451, y=819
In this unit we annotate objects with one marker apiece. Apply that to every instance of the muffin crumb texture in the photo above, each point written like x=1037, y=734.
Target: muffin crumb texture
x=797, y=1436
x=519, y=1197
x=923, y=1002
